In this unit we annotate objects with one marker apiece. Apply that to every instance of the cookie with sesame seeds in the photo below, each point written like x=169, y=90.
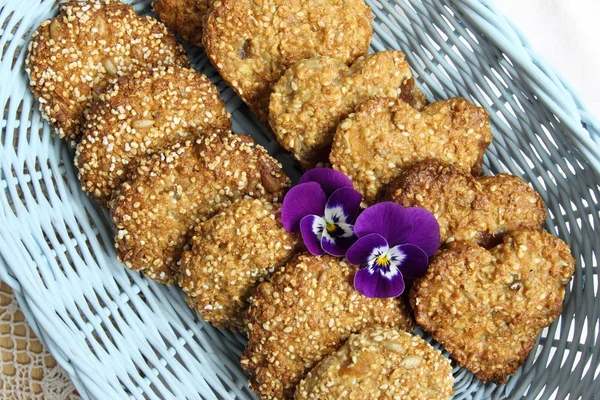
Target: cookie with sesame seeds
x=478, y=209
x=74, y=56
x=231, y=254
x=184, y=17
x=145, y=112
x=487, y=307
x=385, y=136
x=156, y=210
x=380, y=363
x=315, y=95
x=303, y=313
x=252, y=42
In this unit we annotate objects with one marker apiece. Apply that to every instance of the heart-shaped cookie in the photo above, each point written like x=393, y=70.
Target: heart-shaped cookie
x=488, y=306
x=315, y=95
x=385, y=136
x=474, y=209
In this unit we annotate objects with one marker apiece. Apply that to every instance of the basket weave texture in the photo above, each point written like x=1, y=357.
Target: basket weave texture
x=119, y=335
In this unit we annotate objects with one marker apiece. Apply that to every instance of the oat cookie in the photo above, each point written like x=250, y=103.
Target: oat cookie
x=385, y=136
x=231, y=254
x=156, y=210
x=380, y=363
x=73, y=57
x=479, y=209
x=303, y=313
x=253, y=42
x=143, y=113
x=315, y=95
x=184, y=17
x=487, y=307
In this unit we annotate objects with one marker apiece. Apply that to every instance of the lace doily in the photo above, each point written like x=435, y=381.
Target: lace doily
x=28, y=371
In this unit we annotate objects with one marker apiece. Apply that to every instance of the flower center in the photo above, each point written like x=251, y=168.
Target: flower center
x=331, y=227
x=382, y=260
x=386, y=261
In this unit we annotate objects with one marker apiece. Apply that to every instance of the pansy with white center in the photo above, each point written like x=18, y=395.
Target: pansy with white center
x=393, y=242
x=323, y=207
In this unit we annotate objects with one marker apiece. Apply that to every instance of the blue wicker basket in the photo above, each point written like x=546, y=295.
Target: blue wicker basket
x=119, y=335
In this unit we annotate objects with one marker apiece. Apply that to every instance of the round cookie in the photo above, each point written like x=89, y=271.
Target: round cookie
x=253, y=42
x=231, y=254
x=184, y=17
x=380, y=363
x=145, y=112
x=156, y=211
x=73, y=57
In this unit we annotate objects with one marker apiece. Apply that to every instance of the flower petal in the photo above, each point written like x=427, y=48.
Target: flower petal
x=415, y=262
x=300, y=201
x=329, y=179
x=426, y=232
x=388, y=219
x=338, y=246
x=375, y=285
x=343, y=206
x=362, y=250
x=312, y=227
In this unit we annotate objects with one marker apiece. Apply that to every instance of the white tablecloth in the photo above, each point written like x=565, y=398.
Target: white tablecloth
x=566, y=33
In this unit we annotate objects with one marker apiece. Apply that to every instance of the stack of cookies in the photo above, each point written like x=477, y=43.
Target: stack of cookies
x=196, y=205
x=153, y=138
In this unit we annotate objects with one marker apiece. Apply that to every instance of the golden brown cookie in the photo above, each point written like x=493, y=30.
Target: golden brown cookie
x=385, y=136
x=76, y=55
x=143, y=113
x=253, y=42
x=184, y=17
x=231, y=254
x=156, y=210
x=315, y=95
x=303, y=313
x=473, y=209
x=380, y=363
x=487, y=307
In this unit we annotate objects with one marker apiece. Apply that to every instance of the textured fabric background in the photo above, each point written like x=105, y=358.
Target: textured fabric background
x=27, y=370
x=566, y=33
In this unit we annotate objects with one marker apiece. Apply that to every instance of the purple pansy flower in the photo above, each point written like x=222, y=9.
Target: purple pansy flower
x=394, y=242
x=323, y=207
